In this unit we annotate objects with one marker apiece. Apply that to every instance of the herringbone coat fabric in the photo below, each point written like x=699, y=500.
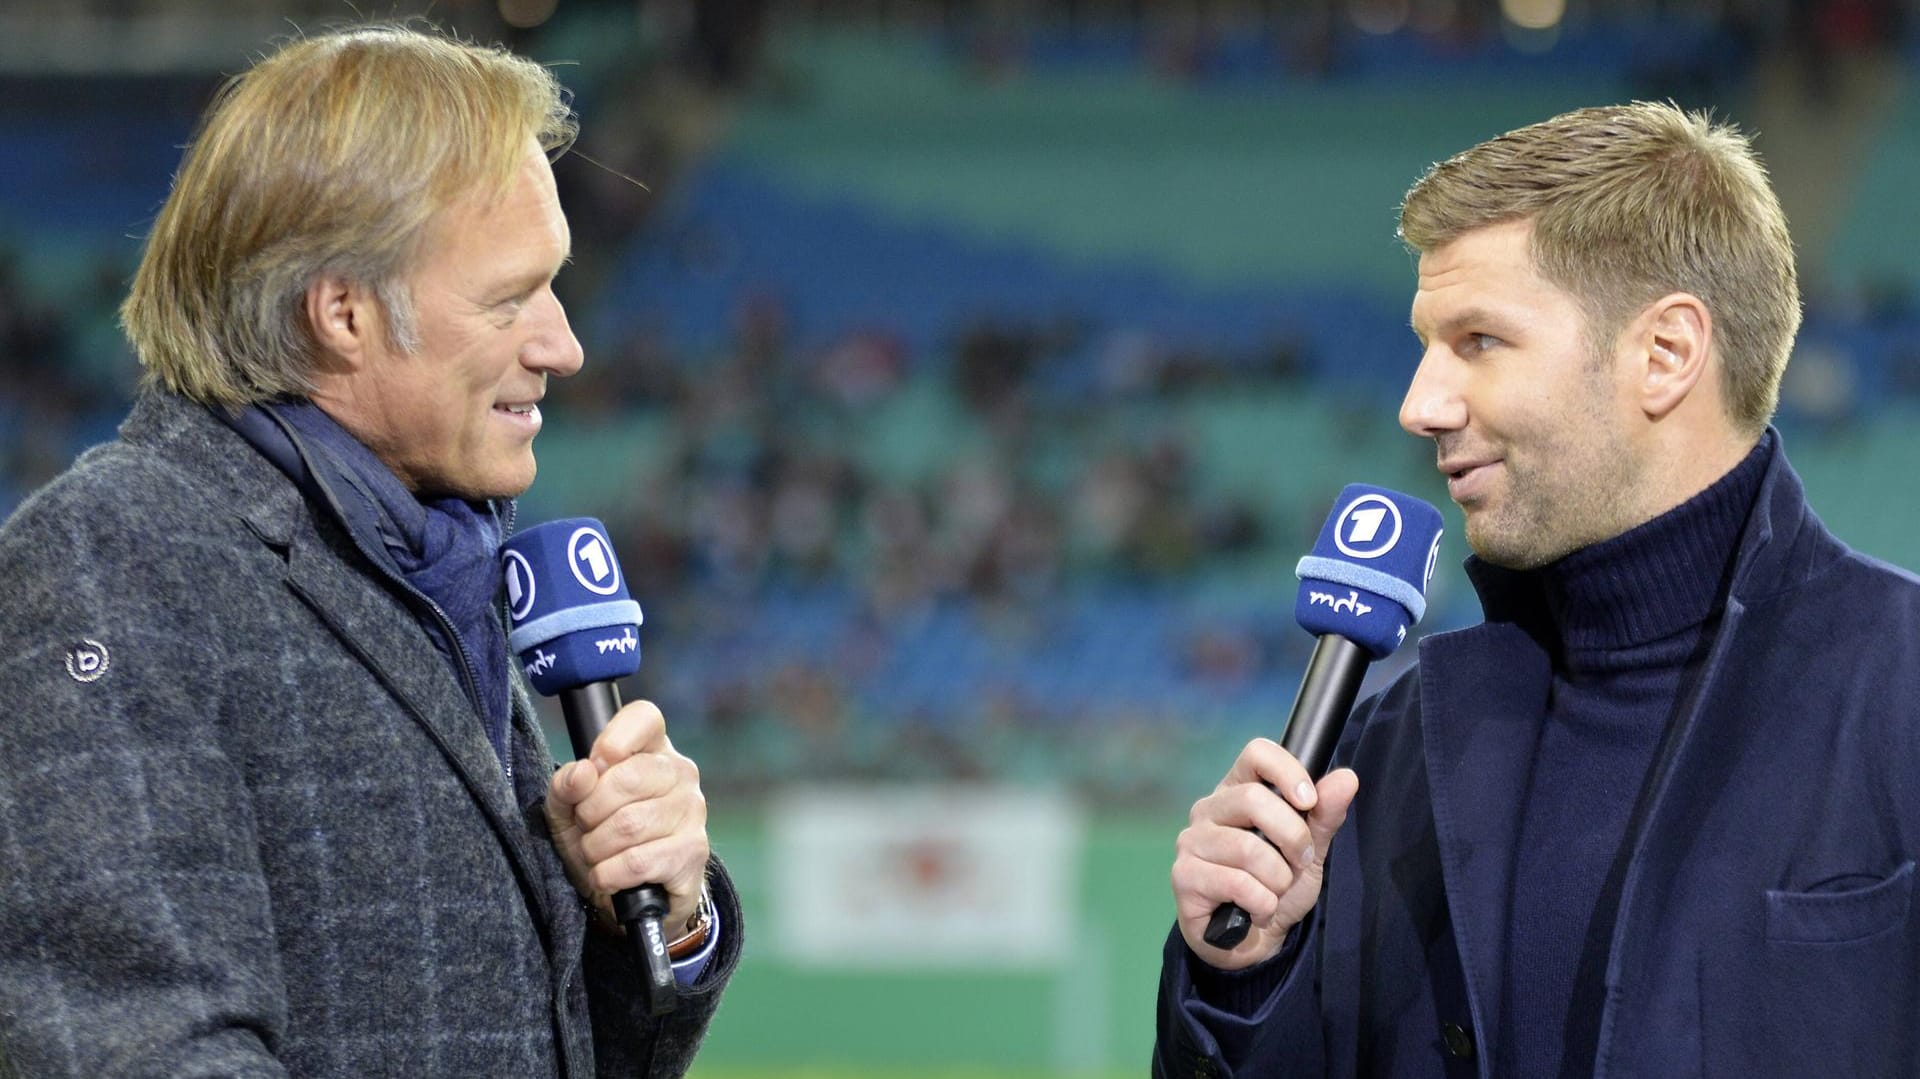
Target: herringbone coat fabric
x=250, y=824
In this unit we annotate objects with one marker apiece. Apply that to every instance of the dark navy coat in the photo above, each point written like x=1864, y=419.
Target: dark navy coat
x=1766, y=925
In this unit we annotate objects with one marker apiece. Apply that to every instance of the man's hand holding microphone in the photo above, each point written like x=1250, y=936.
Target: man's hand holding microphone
x=1274, y=875
x=631, y=813
x=626, y=817
x=1251, y=862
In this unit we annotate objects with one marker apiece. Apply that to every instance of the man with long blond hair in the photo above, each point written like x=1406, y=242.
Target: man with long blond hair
x=273, y=800
x=1658, y=814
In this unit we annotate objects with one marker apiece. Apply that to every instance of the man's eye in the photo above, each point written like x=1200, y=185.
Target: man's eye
x=1480, y=342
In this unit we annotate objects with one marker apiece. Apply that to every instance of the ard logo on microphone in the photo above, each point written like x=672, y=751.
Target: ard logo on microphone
x=1368, y=527
x=520, y=587
x=590, y=557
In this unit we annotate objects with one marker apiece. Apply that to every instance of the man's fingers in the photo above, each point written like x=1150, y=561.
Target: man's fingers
x=1263, y=761
x=638, y=727
x=677, y=861
x=1199, y=887
x=641, y=778
x=639, y=823
x=1237, y=848
x=1258, y=841
x=573, y=782
x=1253, y=805
x=632, y=813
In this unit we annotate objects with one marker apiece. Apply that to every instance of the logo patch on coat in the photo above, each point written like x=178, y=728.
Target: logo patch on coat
x=87, y=661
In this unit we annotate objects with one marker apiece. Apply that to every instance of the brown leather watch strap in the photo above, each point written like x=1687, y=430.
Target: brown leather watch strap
x=695, y=937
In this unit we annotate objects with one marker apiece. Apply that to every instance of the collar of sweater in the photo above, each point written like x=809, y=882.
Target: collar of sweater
x=1647, y=584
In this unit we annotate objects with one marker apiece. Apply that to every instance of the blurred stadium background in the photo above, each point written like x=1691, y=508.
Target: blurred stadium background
x=961, y=388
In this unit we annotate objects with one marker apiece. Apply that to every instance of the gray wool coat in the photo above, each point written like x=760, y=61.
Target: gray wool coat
x=249, y=823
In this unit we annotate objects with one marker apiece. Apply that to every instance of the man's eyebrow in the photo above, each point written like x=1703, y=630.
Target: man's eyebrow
x=1495, y=323
x=534, y=278
x=528, y=280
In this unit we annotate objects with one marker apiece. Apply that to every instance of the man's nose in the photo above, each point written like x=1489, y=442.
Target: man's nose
x=1433, y=404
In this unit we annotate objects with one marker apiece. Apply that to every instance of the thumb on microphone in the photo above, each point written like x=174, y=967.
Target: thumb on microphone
x=571, y=785
x=1333, y=797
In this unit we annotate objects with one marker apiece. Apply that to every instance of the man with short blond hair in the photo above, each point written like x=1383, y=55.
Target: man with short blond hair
x=1658, y=814
x=273, y=799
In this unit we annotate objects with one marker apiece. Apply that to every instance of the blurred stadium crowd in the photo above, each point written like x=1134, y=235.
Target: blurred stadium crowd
x=904, y=501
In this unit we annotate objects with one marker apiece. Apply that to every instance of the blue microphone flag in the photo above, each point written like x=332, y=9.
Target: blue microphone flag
x=572, y=620
x=1367, y=577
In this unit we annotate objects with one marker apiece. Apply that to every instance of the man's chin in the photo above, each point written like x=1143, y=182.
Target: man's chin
x=504, y=490
x=1515, y=548
x=485, y=488
x=1497, y=546
x=513, y=476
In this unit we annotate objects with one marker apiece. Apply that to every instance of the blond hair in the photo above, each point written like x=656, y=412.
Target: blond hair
x=332, y=155
x=1629, y=203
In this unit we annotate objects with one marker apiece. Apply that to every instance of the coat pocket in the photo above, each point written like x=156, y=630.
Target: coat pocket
x=1829, y=991
x=1839, y=917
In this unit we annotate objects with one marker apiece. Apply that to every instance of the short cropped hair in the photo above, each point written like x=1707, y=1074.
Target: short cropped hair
x=332, y=155
x=1629, y=203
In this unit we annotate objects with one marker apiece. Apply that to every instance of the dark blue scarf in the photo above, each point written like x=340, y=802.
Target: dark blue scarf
x=444, y=553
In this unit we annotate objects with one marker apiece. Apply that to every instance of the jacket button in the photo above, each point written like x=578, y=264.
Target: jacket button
x=1458, y=1042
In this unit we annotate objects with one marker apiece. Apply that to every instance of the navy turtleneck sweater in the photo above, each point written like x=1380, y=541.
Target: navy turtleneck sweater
x=1628, y=623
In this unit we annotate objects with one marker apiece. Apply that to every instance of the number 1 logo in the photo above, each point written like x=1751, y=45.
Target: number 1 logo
x=588, y=551
x=1358, y=531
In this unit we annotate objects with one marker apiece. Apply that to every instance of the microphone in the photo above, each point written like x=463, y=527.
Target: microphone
x=1362, y=588
x=573, y=627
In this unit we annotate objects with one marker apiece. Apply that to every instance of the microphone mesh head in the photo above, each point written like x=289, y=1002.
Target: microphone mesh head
x=1367, y=577
x=572, y=620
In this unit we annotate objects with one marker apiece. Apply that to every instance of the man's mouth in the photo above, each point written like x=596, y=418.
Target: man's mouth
x=524, y=415
x=1464, y=476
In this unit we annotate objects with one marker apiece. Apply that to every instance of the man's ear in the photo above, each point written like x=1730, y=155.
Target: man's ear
x=1676, y=346
x=345, y=318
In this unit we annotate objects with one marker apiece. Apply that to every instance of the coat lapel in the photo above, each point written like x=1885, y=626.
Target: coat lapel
x=1781, y=546
x=1659, y=826
x=369, y=621
x=1482, y=691
x=384, y=636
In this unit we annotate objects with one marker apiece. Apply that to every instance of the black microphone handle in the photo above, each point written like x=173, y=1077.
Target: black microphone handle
x=589, y=709
x=1324, y=702
x=1319, y=713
